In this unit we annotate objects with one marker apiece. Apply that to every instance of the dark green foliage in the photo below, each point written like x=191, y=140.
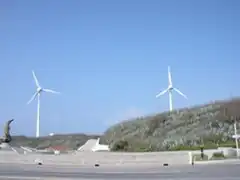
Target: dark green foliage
x=121, y=145
x=210, y=125
x=218, y=154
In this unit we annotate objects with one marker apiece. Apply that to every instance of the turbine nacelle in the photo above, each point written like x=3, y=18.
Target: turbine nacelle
x=170, y=88
x=39, y=89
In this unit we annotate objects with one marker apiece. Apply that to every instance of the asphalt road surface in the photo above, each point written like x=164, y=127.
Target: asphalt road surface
x=197, y=172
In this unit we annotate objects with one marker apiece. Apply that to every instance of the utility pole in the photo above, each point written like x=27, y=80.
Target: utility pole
x=236, y=136
x=230, y=111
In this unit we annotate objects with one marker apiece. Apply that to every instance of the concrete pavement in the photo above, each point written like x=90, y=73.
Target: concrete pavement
x=185, y=172
x=84, y=158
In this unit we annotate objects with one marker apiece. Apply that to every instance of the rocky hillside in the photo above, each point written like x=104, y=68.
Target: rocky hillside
x=70, y=141
x=209, y=125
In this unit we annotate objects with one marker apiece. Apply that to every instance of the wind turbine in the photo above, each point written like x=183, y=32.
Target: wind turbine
x=169, y=89
x=37, y=94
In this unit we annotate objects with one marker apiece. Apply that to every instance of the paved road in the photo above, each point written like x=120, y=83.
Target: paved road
x=207, y=172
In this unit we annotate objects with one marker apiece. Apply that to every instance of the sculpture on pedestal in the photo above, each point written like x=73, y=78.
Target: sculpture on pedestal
x=7, y=136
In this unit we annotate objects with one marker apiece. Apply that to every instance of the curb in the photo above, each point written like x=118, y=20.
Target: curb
x=217, y=161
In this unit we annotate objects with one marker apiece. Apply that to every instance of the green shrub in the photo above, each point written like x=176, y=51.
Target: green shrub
x=217, y=155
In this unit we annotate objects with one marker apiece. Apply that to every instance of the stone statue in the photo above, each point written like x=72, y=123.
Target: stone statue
x=7, y=136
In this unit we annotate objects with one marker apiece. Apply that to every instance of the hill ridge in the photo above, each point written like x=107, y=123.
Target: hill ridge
x=209, y=125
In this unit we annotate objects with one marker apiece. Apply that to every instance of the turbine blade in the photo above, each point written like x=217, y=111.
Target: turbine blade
x=32, y=98
x=51, y=91
x=35, y=79
x=169, y=76
x=161, y=93
x=179, y=92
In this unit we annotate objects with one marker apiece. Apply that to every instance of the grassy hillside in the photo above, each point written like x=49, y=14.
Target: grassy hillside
x=72, y=141
x=209, y=125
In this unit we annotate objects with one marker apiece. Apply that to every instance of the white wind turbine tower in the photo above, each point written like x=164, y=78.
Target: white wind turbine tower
x=170, y=89
x=37, y=94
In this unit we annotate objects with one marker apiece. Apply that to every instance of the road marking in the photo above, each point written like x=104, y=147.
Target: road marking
x=33, y=178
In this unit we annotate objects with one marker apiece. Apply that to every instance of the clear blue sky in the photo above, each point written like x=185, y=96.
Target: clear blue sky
x=109, y=59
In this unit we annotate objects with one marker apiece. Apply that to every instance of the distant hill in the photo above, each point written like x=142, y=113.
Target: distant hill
x=72, y=141
x=189, y=128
